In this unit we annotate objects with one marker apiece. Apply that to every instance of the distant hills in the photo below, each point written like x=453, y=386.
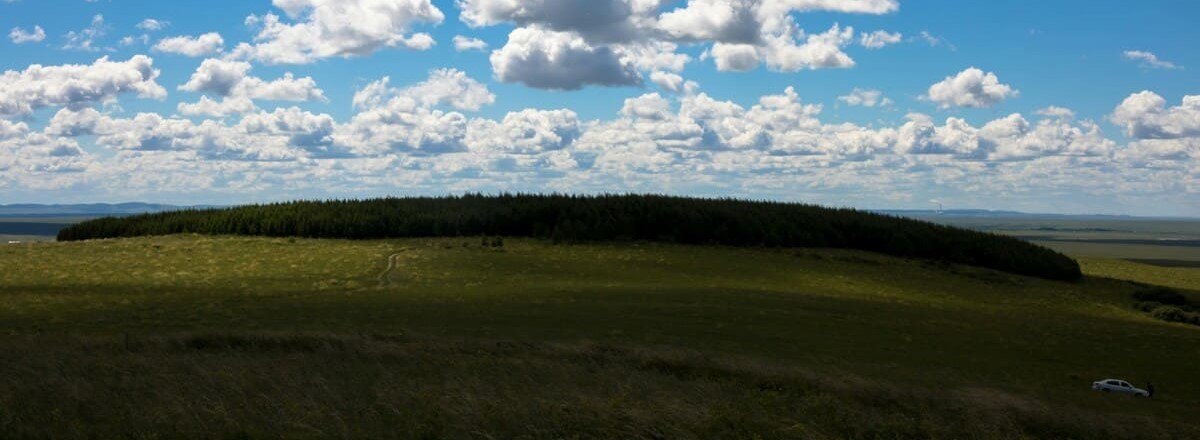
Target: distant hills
x=87, y=210
x=990, y=214
x=132, y=208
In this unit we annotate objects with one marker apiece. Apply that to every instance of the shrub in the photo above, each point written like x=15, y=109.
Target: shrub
x=1175, y=314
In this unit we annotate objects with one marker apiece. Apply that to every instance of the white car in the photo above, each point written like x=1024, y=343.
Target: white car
x=1119, y=386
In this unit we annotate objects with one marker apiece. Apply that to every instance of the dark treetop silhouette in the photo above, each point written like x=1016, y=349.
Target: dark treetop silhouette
x=565, y=218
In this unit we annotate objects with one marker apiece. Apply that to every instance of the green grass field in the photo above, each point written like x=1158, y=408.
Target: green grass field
x=1184, y=278
x=189, y=336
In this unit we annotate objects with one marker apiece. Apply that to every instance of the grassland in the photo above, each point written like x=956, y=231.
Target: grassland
x=189, y=336
x=1185, y=278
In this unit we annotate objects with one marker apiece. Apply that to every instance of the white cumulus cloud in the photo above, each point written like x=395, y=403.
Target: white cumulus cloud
x=1145, y=115
x=595, y=20
x=203, y=45
x=970, y=88
x=819, y=51
x=734, y=57
x=232, y=79
x=555, y=60
x=784, y=53
x=723, y=21
x=448, y=87
x=880, y=39
x=77, y=85
x=866, y=98
x=527, y=131
x=21, y=36
x=463, y=44
x=673, y=82
x=1015, y=138
x=602, y=38
x=208, y=107
x=338, y=28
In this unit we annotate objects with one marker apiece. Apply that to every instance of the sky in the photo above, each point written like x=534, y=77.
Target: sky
x=1038, y=106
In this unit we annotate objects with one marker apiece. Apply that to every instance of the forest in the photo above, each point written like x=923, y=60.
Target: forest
x=574, y=218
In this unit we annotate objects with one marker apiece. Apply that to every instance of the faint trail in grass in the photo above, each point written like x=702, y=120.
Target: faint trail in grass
x=385, y=278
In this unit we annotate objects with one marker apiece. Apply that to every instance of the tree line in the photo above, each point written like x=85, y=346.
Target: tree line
x=571, y=218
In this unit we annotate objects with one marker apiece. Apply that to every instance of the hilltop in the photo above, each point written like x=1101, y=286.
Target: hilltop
x=564, y=218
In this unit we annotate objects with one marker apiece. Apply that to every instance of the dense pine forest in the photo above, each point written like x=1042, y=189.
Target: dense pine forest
x=564, y=218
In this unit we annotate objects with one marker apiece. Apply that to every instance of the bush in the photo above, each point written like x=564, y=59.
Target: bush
x=564, y=218
x=1175, y=314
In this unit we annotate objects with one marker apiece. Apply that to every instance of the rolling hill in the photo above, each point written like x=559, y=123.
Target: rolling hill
x=247, y=337
x=601, y=218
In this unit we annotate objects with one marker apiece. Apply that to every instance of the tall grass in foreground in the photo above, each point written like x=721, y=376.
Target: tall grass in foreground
x=602, y=218
x=230, y=385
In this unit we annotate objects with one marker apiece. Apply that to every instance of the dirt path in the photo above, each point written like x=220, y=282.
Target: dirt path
x=385, y=278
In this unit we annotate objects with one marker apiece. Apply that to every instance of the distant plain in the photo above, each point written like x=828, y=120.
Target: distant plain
x=1160, y=242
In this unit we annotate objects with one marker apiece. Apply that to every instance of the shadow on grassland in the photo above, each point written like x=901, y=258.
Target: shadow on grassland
x=252, y=385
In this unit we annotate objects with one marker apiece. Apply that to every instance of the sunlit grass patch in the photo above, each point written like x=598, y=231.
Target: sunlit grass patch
x=1187, y=278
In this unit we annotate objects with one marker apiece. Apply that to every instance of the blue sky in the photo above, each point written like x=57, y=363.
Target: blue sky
x=1063, y=106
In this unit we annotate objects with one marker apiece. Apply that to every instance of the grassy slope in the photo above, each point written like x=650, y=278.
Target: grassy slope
x=611, y=340
x=1176, y=277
